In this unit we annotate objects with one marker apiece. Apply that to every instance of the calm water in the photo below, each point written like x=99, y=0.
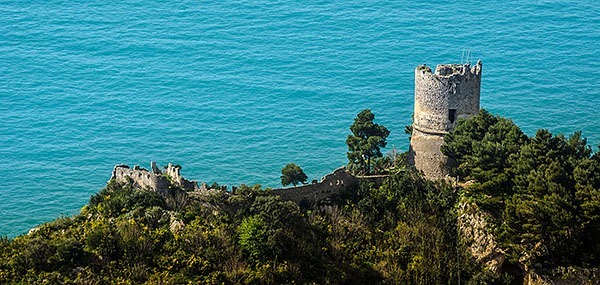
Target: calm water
x=234, y=90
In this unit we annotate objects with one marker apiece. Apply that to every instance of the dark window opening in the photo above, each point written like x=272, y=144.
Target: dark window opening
x=452, y=115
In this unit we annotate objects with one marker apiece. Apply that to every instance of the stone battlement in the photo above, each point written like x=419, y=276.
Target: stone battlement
x=444, y=71
x=453, y=69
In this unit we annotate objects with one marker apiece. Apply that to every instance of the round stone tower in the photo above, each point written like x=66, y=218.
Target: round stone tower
x=441, y=98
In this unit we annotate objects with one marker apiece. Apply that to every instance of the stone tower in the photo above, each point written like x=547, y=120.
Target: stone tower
x=441, y=98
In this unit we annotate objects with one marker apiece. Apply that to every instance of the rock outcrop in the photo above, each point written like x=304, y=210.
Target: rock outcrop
x=474, y=231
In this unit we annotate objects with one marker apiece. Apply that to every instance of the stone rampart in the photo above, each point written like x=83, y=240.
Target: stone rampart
x=330, y=187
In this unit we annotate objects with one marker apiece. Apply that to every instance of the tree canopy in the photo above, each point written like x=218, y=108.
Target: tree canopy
x=292, y=174
x=365, y=142
x=540, y=191
x=482, y=147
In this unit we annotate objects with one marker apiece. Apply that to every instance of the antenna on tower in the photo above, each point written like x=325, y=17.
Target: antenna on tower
x=469, y=54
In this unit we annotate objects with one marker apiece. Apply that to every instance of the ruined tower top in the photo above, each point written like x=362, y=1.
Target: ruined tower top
x=452, y=92
x=441, y=98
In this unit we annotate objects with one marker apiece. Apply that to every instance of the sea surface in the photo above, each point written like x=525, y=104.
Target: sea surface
x=234, y=90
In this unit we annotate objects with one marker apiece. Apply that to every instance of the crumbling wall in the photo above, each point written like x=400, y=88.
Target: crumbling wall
x=154, y=179
x=331, y=186
x=174, y=172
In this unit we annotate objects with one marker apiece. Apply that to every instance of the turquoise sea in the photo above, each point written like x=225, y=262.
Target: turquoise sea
x=234, y=90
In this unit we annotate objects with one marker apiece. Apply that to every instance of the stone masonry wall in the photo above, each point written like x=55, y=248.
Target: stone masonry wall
x=452, y=86
x=425, y=154
x=174, y=172
x=154, y=179
x=331, y=186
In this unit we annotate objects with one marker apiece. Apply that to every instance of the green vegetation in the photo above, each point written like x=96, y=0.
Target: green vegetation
x=403, y=232
x=292, y=174
x=542, y=194
x=365, y=142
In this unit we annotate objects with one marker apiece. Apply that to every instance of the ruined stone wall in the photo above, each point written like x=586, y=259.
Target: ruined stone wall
x=154, y=179
x=330, y=187
x=441, y=98
x=174, y=172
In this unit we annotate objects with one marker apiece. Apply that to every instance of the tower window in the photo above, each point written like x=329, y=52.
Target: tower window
x=452, y=115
